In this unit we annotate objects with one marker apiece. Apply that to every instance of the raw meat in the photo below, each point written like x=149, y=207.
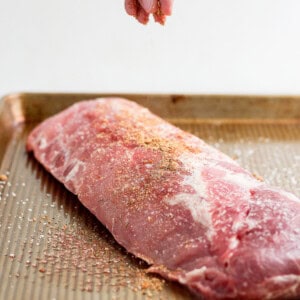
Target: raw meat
x=142, y=9
x=187, y=209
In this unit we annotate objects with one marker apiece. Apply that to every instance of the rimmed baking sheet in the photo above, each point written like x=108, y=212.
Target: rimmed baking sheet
x=51, y=247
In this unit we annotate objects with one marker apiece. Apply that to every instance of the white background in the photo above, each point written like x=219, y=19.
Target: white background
x=224, y=46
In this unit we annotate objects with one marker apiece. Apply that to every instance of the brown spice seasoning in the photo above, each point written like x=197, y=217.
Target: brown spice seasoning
x=3, y=177
x=97, y=260
x=258, y=177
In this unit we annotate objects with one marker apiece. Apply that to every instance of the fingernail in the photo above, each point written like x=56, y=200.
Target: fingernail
x=149, y=6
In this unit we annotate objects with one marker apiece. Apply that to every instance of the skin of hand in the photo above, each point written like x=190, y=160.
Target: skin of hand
x=142, y=9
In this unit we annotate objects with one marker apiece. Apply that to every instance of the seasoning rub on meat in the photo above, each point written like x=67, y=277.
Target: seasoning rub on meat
x=187, y=209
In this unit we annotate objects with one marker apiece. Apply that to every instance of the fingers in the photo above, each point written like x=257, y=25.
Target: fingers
x=131, y=7
x=150, y=6
x=134, y=8
x=166, y=7
x=142, y=16
x=141, y=9
x=159, y=18
x=154, y=6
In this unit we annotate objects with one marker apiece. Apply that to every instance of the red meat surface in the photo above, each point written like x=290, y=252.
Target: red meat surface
x=187, y=209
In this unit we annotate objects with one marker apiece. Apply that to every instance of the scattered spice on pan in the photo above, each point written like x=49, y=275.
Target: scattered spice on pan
x=91, y=254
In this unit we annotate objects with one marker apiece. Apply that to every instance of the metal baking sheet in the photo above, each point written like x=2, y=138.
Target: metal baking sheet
x=51, y=247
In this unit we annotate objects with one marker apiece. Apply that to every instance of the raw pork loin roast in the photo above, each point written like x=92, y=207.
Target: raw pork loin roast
x=187, y=209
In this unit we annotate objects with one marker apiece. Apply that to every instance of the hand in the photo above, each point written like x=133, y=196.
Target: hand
x=142, y=9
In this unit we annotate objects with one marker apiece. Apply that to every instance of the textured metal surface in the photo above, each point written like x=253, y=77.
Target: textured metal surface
x=51, y=247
